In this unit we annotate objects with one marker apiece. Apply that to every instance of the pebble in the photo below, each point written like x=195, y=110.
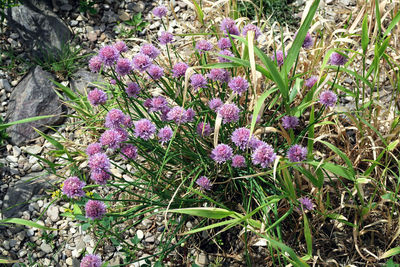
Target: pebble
x=16, y=151
x=46, y=248
x=36, y=167
x=202, y=259
x=92, y=36
x=73, y=23
x=22, y=253
x=138, y=7
x=150, y=239
x=53, y=213
x=12, y=159
x=5, y=84
x=66, y=7
x=69, y=261
x=139, y=234
x=34, y=149
x=6, y=244
x=124, y=16
x=14, y=83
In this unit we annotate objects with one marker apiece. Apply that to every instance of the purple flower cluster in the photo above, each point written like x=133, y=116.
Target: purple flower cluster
x=264, y=155
x=238, y=84
x=198, y=81
x=203, y=46
x=290, y=122
x=99, y=165
x=155, y=72
x=224, y=43
x=91, y=260
x=132, y=90
x=115, y=118
x=297, y=153
x=203, y=129
x=238, y=161
x=141, y=62
x=311, y=81
x=129, y=151
x=241, y=137
x=124, y=66
x=306, y=203
x=179, y=69
x=204, y=183
x=337, y=59
x=157, y=103
x=225, y=52
x=215, y=104
x=228, y=26
x=229, y=113
x=328, y=98
x=97, y=97
x=166, y=38
x=221, y=75
x=179, y=115
x=308, y=41
x=144, y=129
x=95, y=64
x=221, y=153
x=160, y=11
x=150, y=50
x=93, y=148
x=108, y=55
x=121, y=46
x=279, y=59
x=95, y=209
x=113, y=137
x=251, y=27
x=165, y=134
x=73, y=187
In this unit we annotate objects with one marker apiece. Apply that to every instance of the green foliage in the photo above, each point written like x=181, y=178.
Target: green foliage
x=132, y=27
x=87, y=6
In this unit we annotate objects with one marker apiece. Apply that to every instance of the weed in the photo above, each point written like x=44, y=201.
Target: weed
x=87, y=6
x=132, y=27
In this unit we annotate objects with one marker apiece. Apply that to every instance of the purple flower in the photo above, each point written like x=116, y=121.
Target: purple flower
x=238, y=84
x=115, y=118
x=124, y=66
x=257, y=120
x=241, y=137
x=91, y=260
x=228, y=26
x=198, y=81
x=165, y=134
x=264, y=155
x=177, y=114
x=121, y=46
x=129, y=151
x=109, y=55
x=111, y=138
x=225, y=52
x=141, y=62
x=113, y=82
x=190, y=114
x=160, y=11
x=156, y=103
x=73, y=187
x=238, y=161
x=179, y=69
x=95, y=64
x=203, y=129
x=254, y=143
x=229, y=113
x=164, y=113
x=306, y=203
x=203, y=46
x=204, y=183
x=166, y=38
x=127, y=121
x=308, y=41
x=132, y=90
x=155, y=72
x=100, y=177
x=150, y=50
x=224, y=43
x=215, y=104
x=99, y=162
x=279, y=58
x=144, y=129
x=93, y=148
x=221, y=153
x=328, y=98
x=221, y=75
x=337, y=59
x=97, y=97
x=251, y=27
x=290, y=122
x=297, y=153
x=311, y=81
x=95, y=209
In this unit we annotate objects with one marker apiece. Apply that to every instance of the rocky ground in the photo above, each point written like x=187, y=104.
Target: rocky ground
x=25, y=91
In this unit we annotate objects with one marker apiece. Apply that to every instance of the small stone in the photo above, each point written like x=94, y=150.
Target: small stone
x=6, y=244
x=30, y=232
x=36, y=167
x=150, y=239
x=76, y=253
x=12, y=159
x=46, y=262
x=139, y=234
x=73, y=23
x=6, y=85
x=16, y=151
x=202, y=259
x=189, y=225
x=92, y=36
x=53, y=213
x=154, y=25
x=147, y=223
x=22, y=253
x=46, y=248
x=69, y=261
x=66, y=7
x=138, y=7
x=36, y=149
x=14, y=83
x=124, y=16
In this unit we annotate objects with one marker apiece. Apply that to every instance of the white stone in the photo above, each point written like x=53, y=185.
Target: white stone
x=140, y=234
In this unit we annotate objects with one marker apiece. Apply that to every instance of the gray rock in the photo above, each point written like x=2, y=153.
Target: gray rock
x=6, y=85
x=137, y=7
x=202, y=259
x=140, y=234
x=36, y=149
x=33, y=96
x=46, y=248
x=83, y=80
x=66, y=7
x=109, y=17
x=40, y=29
x=53, y=213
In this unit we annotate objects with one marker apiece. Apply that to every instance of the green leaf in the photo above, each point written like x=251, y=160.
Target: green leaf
x=6, y=125
x=26, y=223
x=392, y=24
x=259, y=103
x=364, y=34
x=211, y=213
x=53, y=141
x=199, y=11
x=9, y=261
x=307, y=236
x=335, y=169
x=340, y=154
x=77, y=210
x=390, y=253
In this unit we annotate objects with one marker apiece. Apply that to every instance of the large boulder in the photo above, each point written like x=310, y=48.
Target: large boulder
x=40, y=29
x=33, y=96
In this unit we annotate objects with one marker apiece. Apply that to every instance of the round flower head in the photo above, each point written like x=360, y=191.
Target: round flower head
x=264, y=155
x=279, y=58
x=198, y=81
x=155, y=72
x=165, y=134
x=215, y=104
x=114, y=118
x=93, y=149
x=224, y=43
x=91, y=260
x=121, y=46
x=337, y=59
x=251, y=27
x=156, y=103
x=328, y=98
x=254, y=143
x=166, y=38
x=95, y=209
x=225, y=52
x=99, y=162
x=127, y=121
x=306, y=203
x=113, y=82
x=190, y=114
x=203, y=129
x=95, y=64
x=164, y=113
x=144, y=129
x=160, y=11
x=311, y=81
x=308, y=41
x=290, y=122
x=239, y=85
x=124, y=66
x=297, y=153
x=221, y=75
x=203, y=46
x=109, y=55
x=228, y=26
x=241, y=137
x=229, y=113
x=177, y=114
x=204, y=183
x=132, y=90
x=73, y=187
x=221, y=153
x=100, y=177
x=97, y=97
x=129, y=151
x=150, y=50
x=238, y=161
x=179, y=69
x=111, y=138
x=141, y=62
